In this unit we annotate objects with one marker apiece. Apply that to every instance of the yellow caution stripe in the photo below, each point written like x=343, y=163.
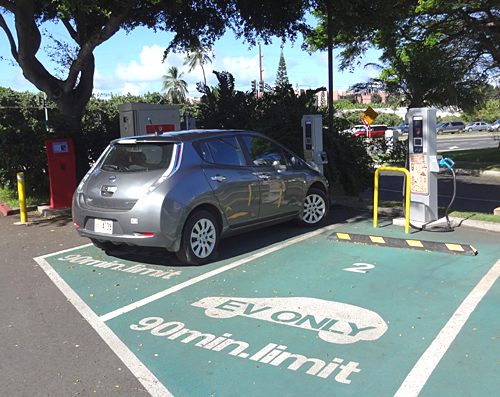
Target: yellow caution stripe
x=432, y=246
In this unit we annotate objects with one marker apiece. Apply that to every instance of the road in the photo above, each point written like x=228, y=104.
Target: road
x=453, y=142
x=466, y=142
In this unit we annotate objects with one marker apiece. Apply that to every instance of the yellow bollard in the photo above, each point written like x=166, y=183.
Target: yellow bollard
x=22, y=196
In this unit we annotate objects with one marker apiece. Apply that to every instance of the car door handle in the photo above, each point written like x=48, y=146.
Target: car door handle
x=264, y=176
x=218, y=178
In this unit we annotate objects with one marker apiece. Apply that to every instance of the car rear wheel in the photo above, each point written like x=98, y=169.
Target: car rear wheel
x=316, y=208
x=199, y=239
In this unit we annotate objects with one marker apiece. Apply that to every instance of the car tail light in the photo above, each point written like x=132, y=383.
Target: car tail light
x=174, y=166
x=144, y=234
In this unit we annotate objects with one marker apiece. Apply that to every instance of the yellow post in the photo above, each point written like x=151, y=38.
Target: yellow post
x=22, y=196
x=407, y=196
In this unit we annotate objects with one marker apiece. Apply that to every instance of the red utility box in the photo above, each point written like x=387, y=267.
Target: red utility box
x=62, y=172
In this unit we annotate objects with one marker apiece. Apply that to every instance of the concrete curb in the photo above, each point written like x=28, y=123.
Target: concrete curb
x=400, y=221
x=45, y=210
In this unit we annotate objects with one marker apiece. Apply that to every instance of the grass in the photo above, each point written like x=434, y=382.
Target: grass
x=476, y=216
x=10, y=197
x=484, y=159
x=476, y=159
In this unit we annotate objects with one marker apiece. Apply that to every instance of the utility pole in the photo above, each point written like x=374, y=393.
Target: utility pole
x=261, y=84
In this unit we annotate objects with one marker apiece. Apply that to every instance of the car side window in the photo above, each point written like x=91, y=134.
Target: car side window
x=264, y=152
x=225, y=151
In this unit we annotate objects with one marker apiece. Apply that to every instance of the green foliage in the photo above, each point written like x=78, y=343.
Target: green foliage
x=376, y=99
x=389, y=119
x=351, y=98
x=489, y=113
x=174, y=85
x=349, y=168
x=224, y=107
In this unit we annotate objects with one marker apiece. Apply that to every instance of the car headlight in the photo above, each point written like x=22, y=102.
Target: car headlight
x=313, y=166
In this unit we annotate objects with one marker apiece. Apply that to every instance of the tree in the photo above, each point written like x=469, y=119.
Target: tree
x=281, y=74
x=174, y=85
x=376, y=98
x=465, y=32
x=195, y=23
x=198, y=56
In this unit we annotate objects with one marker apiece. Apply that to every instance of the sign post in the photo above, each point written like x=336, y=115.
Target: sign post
x=368, y=118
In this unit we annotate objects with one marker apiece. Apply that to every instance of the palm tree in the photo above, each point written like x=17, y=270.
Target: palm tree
x=177, y=88
x=198, y=56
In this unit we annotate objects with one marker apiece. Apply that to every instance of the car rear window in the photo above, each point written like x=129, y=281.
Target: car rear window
x=138, y=157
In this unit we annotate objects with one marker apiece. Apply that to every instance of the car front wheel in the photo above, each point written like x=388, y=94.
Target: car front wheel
x=440, y=132
x=200, y=238
x=316, y=208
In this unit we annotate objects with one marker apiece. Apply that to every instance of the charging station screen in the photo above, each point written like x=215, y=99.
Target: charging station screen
x=308, y=135
x=60, y=147
x=417, y=125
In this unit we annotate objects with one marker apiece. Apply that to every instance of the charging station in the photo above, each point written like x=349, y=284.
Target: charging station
x=62, y=172
x=312, y=129
x=423, y=164
x=134, y=118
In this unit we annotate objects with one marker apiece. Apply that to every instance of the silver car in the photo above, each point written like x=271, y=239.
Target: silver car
x=185, y=190
x=477, y=126
x=450, y=126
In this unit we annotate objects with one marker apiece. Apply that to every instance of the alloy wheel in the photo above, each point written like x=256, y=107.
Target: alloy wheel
x=314, y=209
x=203, y=238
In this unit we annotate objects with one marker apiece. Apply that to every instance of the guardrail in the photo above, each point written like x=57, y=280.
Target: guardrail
x=407, y=196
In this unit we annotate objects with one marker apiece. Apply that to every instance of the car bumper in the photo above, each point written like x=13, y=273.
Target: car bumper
x=152, y=223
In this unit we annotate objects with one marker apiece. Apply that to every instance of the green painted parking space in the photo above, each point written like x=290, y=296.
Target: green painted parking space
x=303, y=316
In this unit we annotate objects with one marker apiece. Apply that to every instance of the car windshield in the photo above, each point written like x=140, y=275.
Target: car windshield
x=470, y=124
x=138, y=157
x=440, y=124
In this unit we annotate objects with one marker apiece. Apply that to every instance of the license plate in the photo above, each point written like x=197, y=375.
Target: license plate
x=103, y=226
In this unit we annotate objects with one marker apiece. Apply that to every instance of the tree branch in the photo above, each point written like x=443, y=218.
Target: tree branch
x=13, y=47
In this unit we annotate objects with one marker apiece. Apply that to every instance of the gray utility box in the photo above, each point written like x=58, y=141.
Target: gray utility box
x=134, y=118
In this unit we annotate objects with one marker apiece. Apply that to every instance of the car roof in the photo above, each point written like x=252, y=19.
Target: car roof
x=182, y=136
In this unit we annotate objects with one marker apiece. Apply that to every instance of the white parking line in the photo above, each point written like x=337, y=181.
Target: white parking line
x=424, y=367
x=143, y=375
x=178, y=287
x=140, y=371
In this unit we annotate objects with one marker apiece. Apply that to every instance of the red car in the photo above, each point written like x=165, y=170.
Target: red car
x=377, y=131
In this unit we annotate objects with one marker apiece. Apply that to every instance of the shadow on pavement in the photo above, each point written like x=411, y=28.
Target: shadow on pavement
x=234, y=246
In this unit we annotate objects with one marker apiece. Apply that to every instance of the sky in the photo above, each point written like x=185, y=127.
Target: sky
x=132, y=63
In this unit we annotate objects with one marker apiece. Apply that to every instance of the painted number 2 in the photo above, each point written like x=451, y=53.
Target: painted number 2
x=361, y=268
